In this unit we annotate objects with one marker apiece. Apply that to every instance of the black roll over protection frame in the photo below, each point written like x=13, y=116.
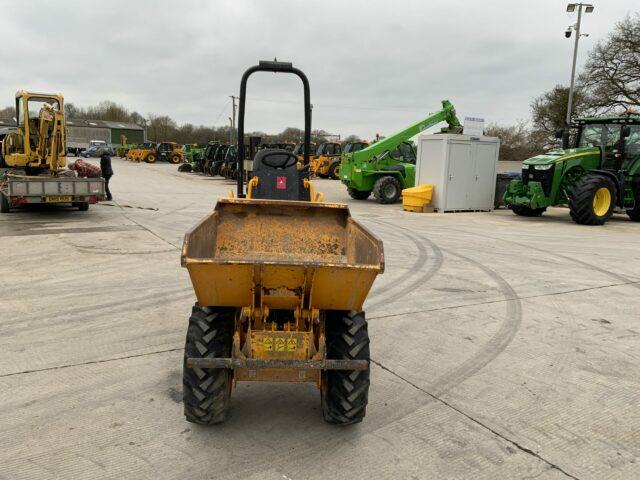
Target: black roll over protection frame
x=275, y=67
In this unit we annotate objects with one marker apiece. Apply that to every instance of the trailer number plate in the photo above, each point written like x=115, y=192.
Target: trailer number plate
x=58, y=198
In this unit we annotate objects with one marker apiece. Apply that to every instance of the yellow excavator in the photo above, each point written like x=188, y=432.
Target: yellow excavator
x=33, y=157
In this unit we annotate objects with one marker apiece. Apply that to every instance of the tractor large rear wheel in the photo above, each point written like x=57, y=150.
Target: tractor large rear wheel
x=345, y=393
x=207, y=392
x=524, y=211
x=592, y=199
x=387, y=189
x=358, y=194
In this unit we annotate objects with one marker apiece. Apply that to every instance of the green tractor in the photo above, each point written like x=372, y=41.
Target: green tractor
x=388, y=166
x=192, y=153
x=193, y=158
x=601, y=173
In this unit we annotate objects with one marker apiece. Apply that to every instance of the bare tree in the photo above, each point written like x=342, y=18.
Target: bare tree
x=612, y=72
x=517, y=142
x=549, y=110
x=161, y=128
x=7, y=113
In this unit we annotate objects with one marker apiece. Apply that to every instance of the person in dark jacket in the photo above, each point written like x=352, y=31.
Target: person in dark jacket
x=107, y=171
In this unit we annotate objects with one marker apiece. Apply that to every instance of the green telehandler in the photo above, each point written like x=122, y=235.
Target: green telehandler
x=387, y=166
x=600, y=173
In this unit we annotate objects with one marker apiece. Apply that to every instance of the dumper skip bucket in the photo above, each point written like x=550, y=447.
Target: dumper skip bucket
x=284, y=248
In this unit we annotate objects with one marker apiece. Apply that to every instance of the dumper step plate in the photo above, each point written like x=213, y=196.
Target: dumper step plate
x=232, y=363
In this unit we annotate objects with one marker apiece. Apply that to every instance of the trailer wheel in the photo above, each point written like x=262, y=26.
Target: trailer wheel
x=334, y=171
x=524, y=211
x=592, y=199
x=4, y=203
x=387, y=189
x=345, y=393
x=82, y=206
x=151, y=158
x=358, y=194
x=206, y=392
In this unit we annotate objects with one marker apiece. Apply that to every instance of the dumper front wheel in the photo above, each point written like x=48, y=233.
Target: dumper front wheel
x=206, y=392
x=345, y=393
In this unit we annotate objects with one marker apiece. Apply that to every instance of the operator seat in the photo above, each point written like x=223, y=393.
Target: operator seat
x=279, y=177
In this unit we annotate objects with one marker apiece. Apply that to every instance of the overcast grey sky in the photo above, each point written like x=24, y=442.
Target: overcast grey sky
x=374, y=66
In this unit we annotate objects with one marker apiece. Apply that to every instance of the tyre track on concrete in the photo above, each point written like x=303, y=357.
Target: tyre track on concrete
x=497, y=343
x=149, y=300
x=400, y=288
x=589, y=266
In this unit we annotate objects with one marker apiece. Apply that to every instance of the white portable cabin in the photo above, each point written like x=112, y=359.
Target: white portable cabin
x=462, y=168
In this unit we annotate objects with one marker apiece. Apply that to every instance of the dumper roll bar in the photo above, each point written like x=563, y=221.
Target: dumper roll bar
x=275, y=67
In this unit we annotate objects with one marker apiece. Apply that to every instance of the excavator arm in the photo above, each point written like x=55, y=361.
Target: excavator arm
x=50, y=124
x=446, y=114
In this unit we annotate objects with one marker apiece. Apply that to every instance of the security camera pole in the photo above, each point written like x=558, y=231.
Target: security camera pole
x=571, y=8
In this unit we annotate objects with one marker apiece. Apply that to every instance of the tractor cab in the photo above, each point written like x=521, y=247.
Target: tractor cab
x=169, y=151
x=619, y=144
x=298, y=150
x=209, y=156
x=229, y=163
x=354, y=146
x=405, y=152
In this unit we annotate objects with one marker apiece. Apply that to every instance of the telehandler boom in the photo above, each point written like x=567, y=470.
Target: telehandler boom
x=388, y=165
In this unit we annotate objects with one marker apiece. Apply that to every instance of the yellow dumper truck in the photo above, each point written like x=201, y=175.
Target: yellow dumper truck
x=280, y=279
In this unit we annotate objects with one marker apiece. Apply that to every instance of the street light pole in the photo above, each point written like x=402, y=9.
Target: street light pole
x=570, y=8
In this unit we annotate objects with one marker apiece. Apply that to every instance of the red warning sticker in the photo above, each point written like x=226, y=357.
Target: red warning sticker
x=281, y=183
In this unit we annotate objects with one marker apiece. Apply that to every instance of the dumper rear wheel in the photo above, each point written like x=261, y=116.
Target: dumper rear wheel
x=345, y=393
x=206, y=392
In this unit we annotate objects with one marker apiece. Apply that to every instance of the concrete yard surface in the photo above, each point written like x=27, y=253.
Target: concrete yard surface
x=502, y=347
